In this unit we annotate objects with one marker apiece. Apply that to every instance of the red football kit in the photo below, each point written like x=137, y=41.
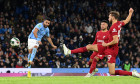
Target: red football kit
x=99, y=39
x=112, y=51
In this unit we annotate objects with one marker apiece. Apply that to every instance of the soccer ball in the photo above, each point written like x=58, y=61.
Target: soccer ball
x=15, y=42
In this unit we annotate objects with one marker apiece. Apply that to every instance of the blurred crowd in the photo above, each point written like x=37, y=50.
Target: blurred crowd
x=74, y=21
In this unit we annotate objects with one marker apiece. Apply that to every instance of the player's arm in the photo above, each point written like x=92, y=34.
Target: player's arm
x=50, y=41
x=129, y=16
x=114, y=41
x=35, y=33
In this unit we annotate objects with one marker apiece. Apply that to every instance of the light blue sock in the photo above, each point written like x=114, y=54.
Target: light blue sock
x=33, y=54
x=29, y=57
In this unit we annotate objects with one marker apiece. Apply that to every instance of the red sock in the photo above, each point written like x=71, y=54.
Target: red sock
x=93, y=65
x=79, y=50
x=122, y=72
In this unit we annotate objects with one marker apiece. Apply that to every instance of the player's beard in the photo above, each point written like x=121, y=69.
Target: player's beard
x=45, y=26
x=110, y=22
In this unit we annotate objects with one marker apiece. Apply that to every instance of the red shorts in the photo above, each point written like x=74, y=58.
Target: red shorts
x=96, y=54
x=101, y=49
x=111, y=54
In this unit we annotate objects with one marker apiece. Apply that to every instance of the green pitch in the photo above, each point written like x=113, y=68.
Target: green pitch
x=71, y=80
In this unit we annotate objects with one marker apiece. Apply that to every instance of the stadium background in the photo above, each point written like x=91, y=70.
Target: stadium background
x=75, y=21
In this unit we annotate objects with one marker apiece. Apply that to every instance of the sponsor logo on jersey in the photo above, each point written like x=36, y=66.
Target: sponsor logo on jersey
x=114, y=30
x=100, y=40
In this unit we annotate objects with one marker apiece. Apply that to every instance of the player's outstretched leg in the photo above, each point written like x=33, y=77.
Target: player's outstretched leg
x=112, y=71
x=30, y=59
x=134, y=73
x=80, y=50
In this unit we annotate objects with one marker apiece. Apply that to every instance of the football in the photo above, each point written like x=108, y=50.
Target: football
x=15, y=42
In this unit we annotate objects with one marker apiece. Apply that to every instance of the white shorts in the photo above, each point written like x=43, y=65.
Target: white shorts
x=32, y=43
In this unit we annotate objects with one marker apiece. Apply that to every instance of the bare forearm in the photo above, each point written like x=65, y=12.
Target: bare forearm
x=112, y=43
x=35, y=34
x=50, y=41
x=128, y=18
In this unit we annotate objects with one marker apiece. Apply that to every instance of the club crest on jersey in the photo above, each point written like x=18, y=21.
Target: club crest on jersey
x=39, y=25
x=114, y=30
x=103, y=37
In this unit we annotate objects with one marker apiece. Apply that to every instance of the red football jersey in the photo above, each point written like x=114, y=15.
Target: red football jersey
x=101, y=37
x=115, y=29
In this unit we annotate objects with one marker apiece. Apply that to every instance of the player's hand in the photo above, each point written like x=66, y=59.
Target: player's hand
x=131, y=10
x=104, y=44
x=40, y=43
x=54, y=47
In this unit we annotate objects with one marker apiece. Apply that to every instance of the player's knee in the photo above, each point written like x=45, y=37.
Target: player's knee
x=30, y=51
x=35, y=46
x=91, y=60
x=112, y=72
x=97, y=58
x=88, y=47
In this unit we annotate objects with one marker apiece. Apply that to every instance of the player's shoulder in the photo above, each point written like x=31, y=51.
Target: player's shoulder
x=98, y=32
x=39, y=25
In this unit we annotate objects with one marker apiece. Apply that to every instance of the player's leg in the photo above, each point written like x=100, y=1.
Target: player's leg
x=93, y=65
x=80, y=50
x=32, y=47
x=112, y=71
x=111, y=66
x=91, y=61
x=91, y=58
x=29, y=57
x=34, y=50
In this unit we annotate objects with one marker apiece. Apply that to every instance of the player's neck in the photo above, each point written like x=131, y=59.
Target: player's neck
x=104, y=30
x=114, y=21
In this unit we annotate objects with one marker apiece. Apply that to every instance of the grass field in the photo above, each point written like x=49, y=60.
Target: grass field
x=71, y=80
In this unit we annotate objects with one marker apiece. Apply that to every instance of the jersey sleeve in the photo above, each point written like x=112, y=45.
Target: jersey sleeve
x=38, y=26
x=122, y=23
x=47, y=32
x=95, y=41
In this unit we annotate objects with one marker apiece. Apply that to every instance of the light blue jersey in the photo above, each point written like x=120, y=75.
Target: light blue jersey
x=41, y=32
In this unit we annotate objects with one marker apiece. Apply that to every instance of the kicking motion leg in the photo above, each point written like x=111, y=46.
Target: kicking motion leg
x=80, y=50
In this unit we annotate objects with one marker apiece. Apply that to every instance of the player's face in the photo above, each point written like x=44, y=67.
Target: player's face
x=104, y=26
x=46, y=23
x=110, y=18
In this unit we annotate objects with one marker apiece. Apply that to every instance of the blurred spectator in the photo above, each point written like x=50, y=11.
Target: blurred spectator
x=76, y=22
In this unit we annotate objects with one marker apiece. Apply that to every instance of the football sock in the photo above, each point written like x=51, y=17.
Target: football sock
x=89, y=63
x=122, y=72
x=93, y=65
x=29, y=57
x=79, y=50
x=33, y=54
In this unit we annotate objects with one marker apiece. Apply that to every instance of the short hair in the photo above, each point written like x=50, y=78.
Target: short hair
x=105, y=21
x=116, y=14
x=47, y=18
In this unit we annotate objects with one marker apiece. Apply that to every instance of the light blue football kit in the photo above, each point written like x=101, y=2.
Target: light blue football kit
x=41, y=32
